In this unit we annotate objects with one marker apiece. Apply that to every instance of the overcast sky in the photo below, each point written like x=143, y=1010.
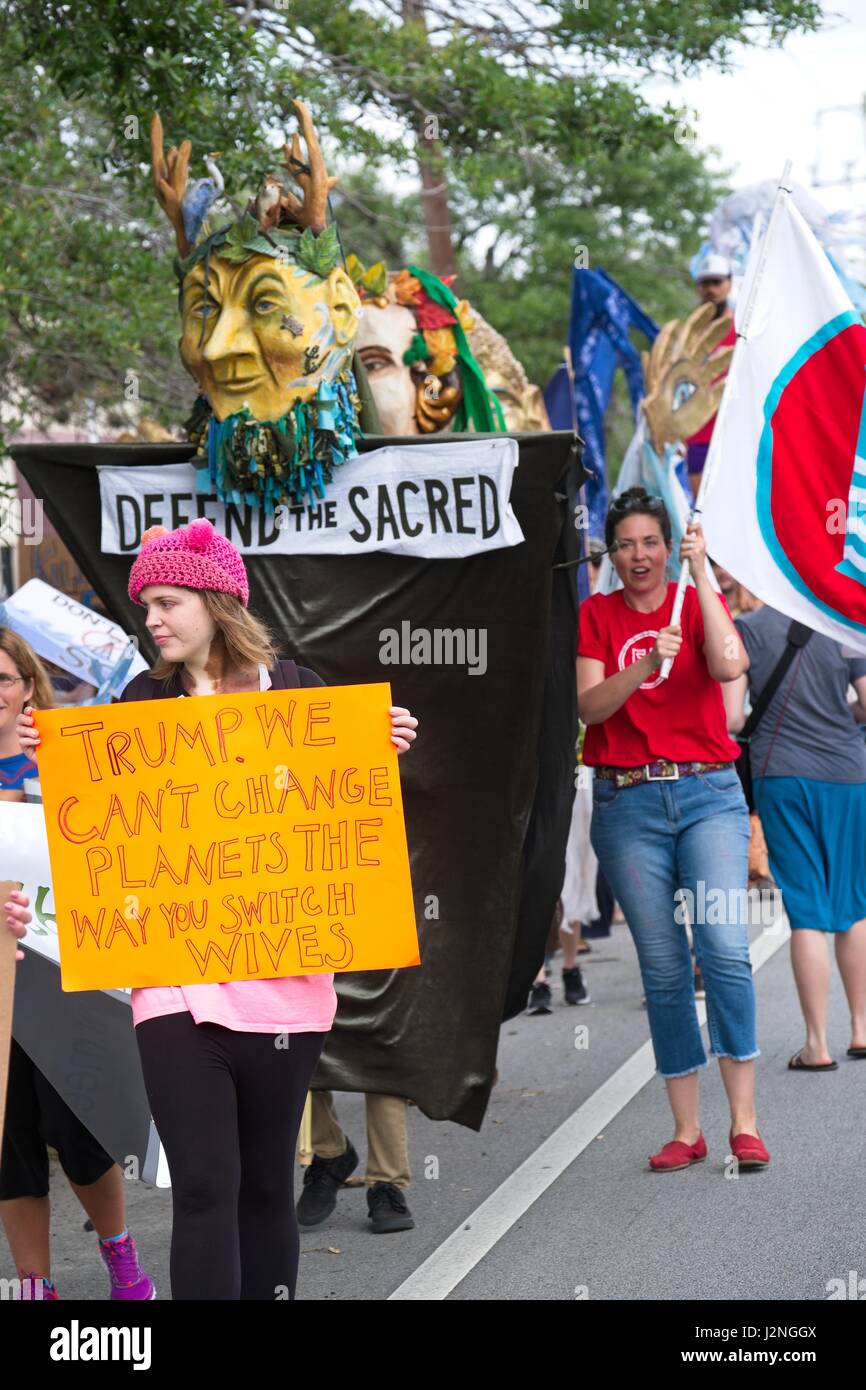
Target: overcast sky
x=766, y=110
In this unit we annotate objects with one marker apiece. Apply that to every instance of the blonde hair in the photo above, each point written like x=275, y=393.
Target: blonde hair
x=246, y=638
x=29, y=667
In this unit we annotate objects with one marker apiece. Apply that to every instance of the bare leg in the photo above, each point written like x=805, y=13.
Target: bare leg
x=26, y=1221
x=103, y=1202
x=811, y=964
x=851, y=959
x=683, y=1098
x=569, y=940
x=739, y=1082
x=551, y=943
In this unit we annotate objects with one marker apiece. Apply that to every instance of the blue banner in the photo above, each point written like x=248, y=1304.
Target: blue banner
x=601, y=315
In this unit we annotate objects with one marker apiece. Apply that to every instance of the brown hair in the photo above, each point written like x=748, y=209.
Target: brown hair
x=636, y=501
x=29, y=667
x=247, y=640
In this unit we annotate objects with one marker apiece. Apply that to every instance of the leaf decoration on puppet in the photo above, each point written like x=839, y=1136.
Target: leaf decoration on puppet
x=243, y=231
x=319, y=254
x=373, y=280
x=235, y=254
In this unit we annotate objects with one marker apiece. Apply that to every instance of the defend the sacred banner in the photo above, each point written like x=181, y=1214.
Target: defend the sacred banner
x=447, y=501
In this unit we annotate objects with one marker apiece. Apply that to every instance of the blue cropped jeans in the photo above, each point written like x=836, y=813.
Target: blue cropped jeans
x=673, y=850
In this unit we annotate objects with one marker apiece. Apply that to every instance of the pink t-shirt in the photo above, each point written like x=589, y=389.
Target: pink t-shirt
x=291, y=1004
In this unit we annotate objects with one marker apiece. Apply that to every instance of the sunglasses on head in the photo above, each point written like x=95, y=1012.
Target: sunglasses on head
x=648, y=504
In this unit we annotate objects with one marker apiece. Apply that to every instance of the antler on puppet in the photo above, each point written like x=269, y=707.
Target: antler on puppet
x=170, y=177
x=310, y=174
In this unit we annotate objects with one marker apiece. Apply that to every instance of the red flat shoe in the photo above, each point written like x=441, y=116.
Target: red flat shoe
x=749, y=1151
x=676, y=1155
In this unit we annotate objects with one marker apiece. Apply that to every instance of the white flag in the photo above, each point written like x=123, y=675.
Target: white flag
x=785, y=504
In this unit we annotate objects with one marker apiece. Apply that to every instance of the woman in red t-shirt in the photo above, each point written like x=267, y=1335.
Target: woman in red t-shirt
x=670, y=825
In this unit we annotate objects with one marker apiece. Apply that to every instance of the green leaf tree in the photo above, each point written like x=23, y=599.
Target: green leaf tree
x=529, y=117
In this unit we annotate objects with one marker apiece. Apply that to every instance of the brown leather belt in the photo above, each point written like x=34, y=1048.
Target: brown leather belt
x=660, y=771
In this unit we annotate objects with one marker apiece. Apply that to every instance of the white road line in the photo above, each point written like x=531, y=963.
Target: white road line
x=450, y=1263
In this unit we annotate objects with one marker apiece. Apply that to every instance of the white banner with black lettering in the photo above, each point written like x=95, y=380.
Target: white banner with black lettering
x=437, y=502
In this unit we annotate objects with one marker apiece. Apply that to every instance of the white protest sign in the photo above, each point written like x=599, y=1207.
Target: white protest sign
x=77, y=639
x=24, y=850
x=443, y=502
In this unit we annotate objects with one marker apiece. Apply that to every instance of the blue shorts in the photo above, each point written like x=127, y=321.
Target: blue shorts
x=816, y=838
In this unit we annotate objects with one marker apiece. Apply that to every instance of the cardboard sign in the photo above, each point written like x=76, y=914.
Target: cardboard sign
x=226, y=837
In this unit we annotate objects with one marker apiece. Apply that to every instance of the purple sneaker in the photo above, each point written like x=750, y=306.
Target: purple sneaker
x=128, y=1279
x=34, y=1287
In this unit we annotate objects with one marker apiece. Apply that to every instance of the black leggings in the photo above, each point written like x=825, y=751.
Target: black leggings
x=228, y=1109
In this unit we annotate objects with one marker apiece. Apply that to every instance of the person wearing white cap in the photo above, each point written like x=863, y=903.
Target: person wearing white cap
x=713, y=285
x=713, y=281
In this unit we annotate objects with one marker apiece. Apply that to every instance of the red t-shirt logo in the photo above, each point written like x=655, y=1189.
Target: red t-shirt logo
x=635, y=648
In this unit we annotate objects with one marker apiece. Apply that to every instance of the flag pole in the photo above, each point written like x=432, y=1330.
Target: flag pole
x=727, y=396
x=569, y=372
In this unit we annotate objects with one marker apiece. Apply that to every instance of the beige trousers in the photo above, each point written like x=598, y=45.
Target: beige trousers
x=387, y=1146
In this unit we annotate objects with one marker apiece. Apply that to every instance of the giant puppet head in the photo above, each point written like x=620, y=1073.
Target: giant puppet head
x=269, y=320
x=522, y=403
x=413, y=342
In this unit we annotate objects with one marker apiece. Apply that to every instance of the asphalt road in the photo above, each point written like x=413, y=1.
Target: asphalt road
x=584, y=1219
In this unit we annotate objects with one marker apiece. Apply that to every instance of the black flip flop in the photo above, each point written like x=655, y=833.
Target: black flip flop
x=797, y=1064
x=857, y=1052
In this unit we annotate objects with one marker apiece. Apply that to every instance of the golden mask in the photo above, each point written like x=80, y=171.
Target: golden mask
x=261, y=334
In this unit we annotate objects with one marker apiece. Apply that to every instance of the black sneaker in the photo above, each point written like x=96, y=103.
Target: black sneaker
x=576, y=991
x=540, y=1000
x=387, y=1209
x=322, y=1181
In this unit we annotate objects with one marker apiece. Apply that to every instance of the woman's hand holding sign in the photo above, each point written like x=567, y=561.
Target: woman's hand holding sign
x=27, y=733
x=403, y=727
x=17, y=916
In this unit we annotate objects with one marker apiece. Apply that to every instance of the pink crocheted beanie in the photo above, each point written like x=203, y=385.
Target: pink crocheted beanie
x=192, y=557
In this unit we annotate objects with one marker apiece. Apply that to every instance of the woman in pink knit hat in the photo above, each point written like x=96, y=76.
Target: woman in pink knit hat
x=226, y=1100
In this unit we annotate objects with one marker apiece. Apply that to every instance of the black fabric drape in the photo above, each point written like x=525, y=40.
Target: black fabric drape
x=84, y=1044
x=487, y=788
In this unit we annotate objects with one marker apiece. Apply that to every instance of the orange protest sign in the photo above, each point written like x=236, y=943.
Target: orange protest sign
x=226, y=837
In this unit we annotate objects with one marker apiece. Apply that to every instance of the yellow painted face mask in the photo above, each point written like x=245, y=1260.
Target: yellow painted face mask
x=262, y=335
x=269, y=318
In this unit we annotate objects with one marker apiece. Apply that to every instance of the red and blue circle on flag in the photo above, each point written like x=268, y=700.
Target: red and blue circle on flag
x=811, y=492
